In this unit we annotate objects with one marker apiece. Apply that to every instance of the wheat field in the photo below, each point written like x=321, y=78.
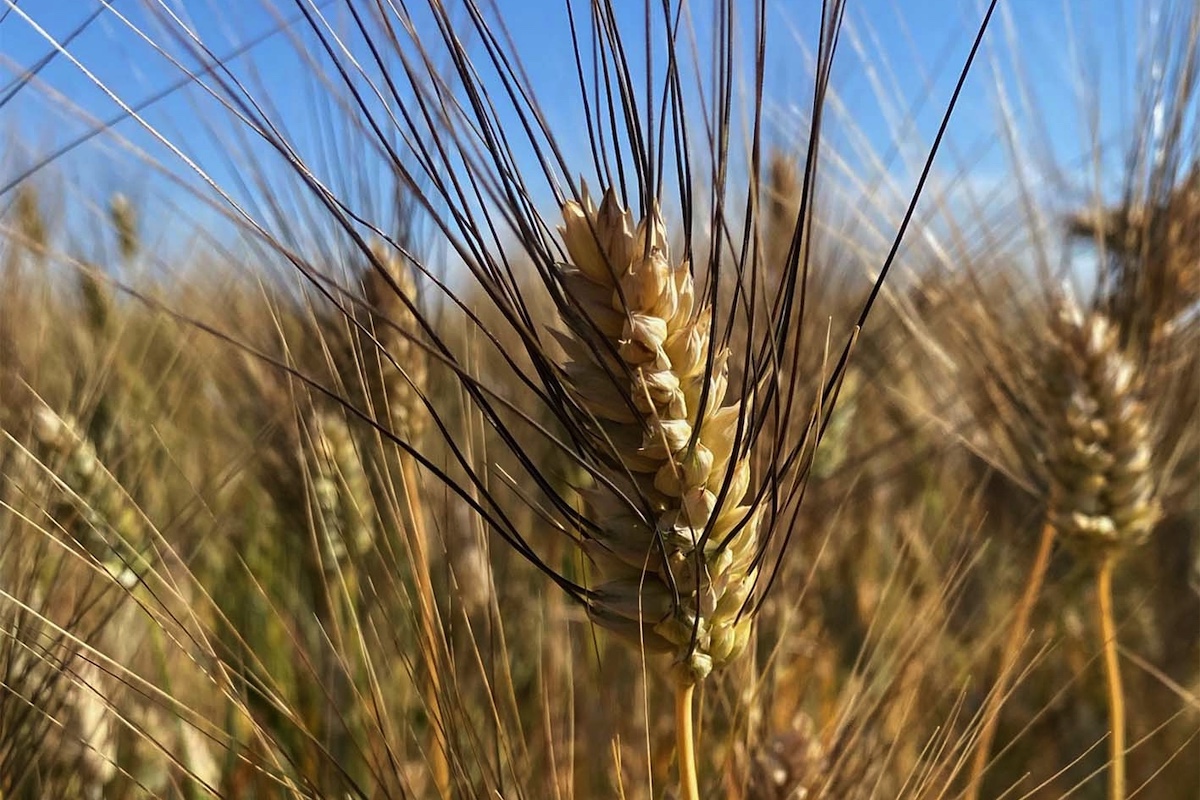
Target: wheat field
x=599, y=400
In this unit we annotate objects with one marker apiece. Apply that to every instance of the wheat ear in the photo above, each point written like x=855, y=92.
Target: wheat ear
x=667, y=532
x=1155, y=248
x=1101, y=476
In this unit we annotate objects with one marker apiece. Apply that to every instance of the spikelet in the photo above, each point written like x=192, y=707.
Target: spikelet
x=395, y=393
x=1103, y=493
x=639, y=353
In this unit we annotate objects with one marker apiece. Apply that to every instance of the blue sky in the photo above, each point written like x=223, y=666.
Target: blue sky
x=898, y=60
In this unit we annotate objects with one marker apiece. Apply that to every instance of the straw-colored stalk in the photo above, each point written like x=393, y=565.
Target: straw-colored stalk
x=1112, y=675
x=1100, y=468
x=398, y=376
x=666, y=530
x=689, y=782
x=1017, y=632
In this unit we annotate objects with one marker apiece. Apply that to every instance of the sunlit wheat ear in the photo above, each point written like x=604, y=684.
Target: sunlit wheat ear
x=642, y=362
x=1103, y=492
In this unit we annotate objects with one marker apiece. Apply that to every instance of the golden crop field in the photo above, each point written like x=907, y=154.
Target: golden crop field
x=589, y=399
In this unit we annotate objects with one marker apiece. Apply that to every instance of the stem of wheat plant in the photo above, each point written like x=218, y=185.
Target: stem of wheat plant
x=667, y=368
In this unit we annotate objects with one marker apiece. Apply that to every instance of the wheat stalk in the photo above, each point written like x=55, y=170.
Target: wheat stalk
x=1093, y=444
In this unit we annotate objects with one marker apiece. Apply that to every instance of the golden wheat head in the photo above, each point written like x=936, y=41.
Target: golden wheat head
x=1102, y=487
x=642, y=362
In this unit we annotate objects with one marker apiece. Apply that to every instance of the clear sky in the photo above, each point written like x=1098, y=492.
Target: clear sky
x=897, y=65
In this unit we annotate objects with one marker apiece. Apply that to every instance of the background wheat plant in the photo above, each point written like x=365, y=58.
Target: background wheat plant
x=598, y=399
